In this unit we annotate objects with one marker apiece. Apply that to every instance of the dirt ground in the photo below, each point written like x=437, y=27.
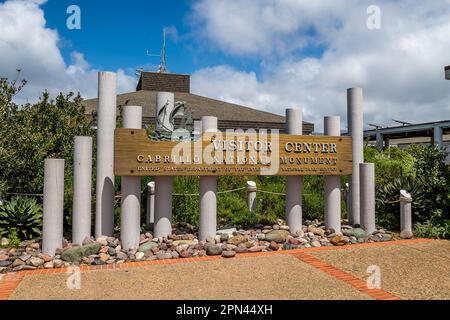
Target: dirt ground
x=260, y=278
x=410, y=271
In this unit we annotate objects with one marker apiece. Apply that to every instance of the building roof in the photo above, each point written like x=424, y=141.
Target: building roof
x=229, y=115
x=409, y=130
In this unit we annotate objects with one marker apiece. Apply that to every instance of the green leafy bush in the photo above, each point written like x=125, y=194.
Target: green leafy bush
x=21, y=215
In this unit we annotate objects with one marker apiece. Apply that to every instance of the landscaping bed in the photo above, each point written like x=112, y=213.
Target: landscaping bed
x=183, y=243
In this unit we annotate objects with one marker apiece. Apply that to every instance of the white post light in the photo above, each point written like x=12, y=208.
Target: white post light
x=405, y=215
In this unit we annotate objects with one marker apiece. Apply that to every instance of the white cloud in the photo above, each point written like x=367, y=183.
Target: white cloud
x=27, y=44
x=400, y=66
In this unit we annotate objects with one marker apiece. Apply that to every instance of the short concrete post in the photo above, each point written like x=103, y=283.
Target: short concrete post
x=82, y=188
x=150, y=212
x=130, y=213
x=294, y=184
x=251, y=195
x=163, y=185
x=332, y=194
x=52, y=233
x=208, y=193
x=106, y=123
x=405, y=215
x=367, y=182
x=355, y=130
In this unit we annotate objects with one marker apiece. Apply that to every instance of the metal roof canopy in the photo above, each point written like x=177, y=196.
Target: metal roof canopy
x=413, y=130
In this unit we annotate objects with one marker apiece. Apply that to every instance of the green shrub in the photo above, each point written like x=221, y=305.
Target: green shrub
x=21, y=215
x=435, y=228
x=14, y=239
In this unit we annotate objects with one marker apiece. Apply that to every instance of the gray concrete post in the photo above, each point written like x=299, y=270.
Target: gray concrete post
x=130, y=213
x=52, y=231
x=367, y=183
x=251, y=195
x=332, y=194
x=163, y=185
x=106, y=124
x=208, y=193
x=405, y=215
x=380, y=141
x=294, y=184
x=355, y=130
x=150, y=212
x=82, y=188
x=437, y=136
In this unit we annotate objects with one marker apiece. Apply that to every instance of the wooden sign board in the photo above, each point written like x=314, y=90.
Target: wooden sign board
x=218, y=154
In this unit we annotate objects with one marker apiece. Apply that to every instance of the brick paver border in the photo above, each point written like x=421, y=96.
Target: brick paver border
x=10, y=281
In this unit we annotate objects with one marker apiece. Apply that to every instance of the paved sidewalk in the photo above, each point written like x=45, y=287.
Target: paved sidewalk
x=410, y=269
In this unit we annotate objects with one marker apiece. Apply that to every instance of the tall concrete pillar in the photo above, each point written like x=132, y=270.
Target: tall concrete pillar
x=251, y=195
x=367, y=183
x=163, y=185
x=208, y=193
x=437, y=137
x=294, y=184
x=405, y=215
x=106, y=124
x=52, y=231
x=355, y=130
x=150, y=212
x=332, y=194
x=82, y=188
x=130, y=213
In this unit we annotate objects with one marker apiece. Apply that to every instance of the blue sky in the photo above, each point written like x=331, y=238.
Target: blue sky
x=114, y=35
x=265, y=54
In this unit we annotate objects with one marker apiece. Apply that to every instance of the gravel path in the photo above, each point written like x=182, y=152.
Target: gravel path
x=259, y=278
x=411, y=271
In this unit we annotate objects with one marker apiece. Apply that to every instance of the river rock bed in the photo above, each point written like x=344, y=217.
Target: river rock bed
x=183, y=244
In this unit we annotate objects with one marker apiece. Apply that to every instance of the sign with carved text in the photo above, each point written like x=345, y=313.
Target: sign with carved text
x=218, y=154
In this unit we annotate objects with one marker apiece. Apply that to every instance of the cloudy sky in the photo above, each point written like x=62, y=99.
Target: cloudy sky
x=266, y=54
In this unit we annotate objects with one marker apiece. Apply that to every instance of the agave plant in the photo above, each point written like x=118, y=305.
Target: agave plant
x=23, y=215
x=388, y=194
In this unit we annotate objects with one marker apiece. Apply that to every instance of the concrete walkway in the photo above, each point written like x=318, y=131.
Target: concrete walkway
x=411, y=269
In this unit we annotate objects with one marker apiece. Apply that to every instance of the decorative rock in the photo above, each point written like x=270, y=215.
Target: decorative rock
x=25, y=257
x=256, y=249
x=18, y=262
x=4, y=257
x=45, y=257
x=175, y=255
x=58, y=263
x=287, y=246
x=48, y=265
x=35, y=246
x=356, y=232
x=102, y=240
x=294, y=241
x=139, y=255
x=284, y=228
x=241, y=249
x=213, y=250
x=228, y=254
x=185, y=254
x=224, y=237
x=103, y=257
x=163, y=255
x=274, y=246
x=77, y=253
x=6, y=263
x=236, y=240
x=217, y=238
x=339, y=240
x=386, y=237
x=147, y=246
x=316, y=231
x=278, y=236
x=24, y=267
x=37, y=262
x=121, y=256
x=188, y=242
x=315, y=244
x=261, y=236
x=111, y=251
